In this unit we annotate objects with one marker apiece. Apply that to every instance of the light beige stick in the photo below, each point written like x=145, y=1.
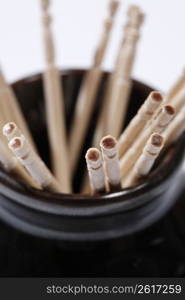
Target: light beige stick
x=55, y=107
x=175, y=89
x=11, y=165
x=175, y=128
x=111, y=162
x=9, y=130
x=101, y=129
x=33, y=164
x=87, y=95
x=4, y=109
x=108, y=24
x=178, y=100
x=136, y=125
x=96, y=171
x=146, y=160
x=158, y=125
x=121, y=86
x=135, y=18
x=2, y=117
x=11, y=108
x=7, y=160
x=118, y=106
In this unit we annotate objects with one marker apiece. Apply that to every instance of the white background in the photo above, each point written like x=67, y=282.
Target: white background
x=77, y=25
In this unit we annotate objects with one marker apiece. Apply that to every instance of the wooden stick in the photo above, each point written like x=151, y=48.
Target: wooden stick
x=146, y=160
x=11, y=165
x=6, y=159
x=158, y=125
x=137, y=124
x=118, y=106
x=111, y=162
x=95, y=170
x=122, y=83
x=33, y=164
x=87, y=95
x=135, y=18
x=100, y=129
x=4, y=109
x=178, y=100
x=2, y=114
x=12, y=132
x=175, y=128
x=10, y=106
x=103, y=120
x=175, y=89
x=108, y=24
x=55, y=107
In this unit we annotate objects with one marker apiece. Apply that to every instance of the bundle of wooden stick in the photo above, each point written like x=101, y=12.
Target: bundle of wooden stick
x=124, y=159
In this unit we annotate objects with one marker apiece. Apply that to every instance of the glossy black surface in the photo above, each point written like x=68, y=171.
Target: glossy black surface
x=135, y=232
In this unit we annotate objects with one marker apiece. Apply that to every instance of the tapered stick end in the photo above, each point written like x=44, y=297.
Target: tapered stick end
x=114, y=4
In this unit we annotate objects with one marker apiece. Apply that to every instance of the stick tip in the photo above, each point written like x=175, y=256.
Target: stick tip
x=156, y=96
x=157, y=140
x=15, y=143
x=93, y=154
x=108, y=142
x=9, y=128
x=169, y=109
x=45, y=3
x=114, y=4
x=134, y=11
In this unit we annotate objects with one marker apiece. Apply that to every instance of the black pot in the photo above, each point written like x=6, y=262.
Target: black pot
x=134, y=232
